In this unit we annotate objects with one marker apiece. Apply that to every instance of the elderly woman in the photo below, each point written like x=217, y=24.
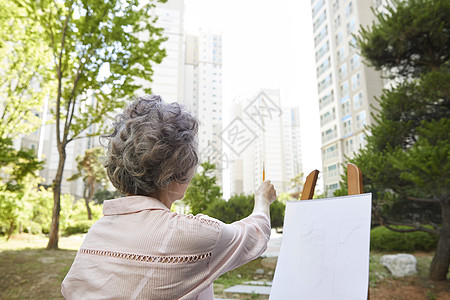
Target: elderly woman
x=142, y=250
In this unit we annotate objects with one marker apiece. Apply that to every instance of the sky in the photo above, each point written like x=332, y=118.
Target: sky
x=266, y=44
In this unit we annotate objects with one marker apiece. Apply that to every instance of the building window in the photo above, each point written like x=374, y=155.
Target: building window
x=352, y=42
x=317, y=7
x=349, y=9
x=335, y=5
x=332, y=170
x=337, y=21
x=354, y=62
x=338, y=38
x=358, y=101
x=322, y=17
x=319, y=37
x=362, y=140
x=324, y=66
x=322, y=51
x=327, y=99
x=332, y=188
x=326, y=82
x=347, y=126
x=351, y=27
x=344, y=89
x=346, y=108
x=361, y=120
x=330, y=152
x=341, y=53
x=328, y=117
x=348, y=146
x=343, y=71
x=356, y=81
x=329, y=134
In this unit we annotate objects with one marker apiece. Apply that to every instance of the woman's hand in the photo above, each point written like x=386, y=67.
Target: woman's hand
x=264, y=196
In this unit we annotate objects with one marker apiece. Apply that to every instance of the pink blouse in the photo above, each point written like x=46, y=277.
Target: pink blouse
x=142, y=250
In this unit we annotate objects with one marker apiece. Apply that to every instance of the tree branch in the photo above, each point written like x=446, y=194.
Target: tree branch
x=59, y=71
x=415, y=227
x=424, y=200
x=416, y=199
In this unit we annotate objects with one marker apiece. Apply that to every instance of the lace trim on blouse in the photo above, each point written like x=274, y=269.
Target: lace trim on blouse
x=148, y=258
x=204, y=221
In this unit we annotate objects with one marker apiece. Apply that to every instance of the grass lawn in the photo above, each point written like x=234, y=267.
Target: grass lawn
x=30, y=272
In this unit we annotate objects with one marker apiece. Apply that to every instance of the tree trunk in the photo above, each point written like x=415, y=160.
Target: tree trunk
x=10, y=230
x=441, y=260
x=89, y=212
x=54, y=228
x=87, y=199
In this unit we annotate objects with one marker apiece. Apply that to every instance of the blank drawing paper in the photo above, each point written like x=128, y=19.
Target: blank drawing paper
x=324, y=252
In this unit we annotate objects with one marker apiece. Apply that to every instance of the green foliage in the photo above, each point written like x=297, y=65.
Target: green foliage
x=25, y=70
x=12, y=211
x=103, y=195
x=78, y=227
x=406, y=161
x=241, y=206
x=17, y=167
x=89, y=167
x=93, y=173
x=277, y=209
x=297, y=182
x=99, y=49
x=383, y=239
x=73, y=212
x=409, y=39
x=202, y=190
x=31, y=211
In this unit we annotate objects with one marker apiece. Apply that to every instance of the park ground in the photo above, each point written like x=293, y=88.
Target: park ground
x=30, y=272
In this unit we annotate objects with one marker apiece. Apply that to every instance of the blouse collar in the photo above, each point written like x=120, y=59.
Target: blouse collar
x=131, y=204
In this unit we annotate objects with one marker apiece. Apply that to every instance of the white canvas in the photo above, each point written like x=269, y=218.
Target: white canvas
x=324, y=253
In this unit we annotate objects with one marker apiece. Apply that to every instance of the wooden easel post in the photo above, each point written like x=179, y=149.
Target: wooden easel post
x=309, y=186
x=354, y=180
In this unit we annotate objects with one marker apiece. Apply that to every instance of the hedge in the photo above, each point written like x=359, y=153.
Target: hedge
x=78, y=227
x=383, y=239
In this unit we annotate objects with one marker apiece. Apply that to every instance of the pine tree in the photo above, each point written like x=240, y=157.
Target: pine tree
x=407, y=159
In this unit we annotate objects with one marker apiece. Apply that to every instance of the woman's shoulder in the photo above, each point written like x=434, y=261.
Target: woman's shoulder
x=194, y=234
x=200, y=219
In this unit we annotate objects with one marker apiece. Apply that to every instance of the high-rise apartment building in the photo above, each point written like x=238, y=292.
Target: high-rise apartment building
x=203, y=92
x=263, y=134
x=346, y=87
x=167, y=79
x=292, y=144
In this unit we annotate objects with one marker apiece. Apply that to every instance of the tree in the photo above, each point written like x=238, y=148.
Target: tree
x=236, y=208
x=296, y=183
x=17, y=166
x=93, y=173
x=24, y=69
x=23, y=87
x=202, y=190
x=99, y=48
x=406, y=160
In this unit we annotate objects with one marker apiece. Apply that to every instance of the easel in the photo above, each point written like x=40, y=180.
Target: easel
x=354, y=183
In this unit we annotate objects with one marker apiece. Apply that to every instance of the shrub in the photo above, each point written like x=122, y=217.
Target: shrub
x=383, y=239
x=241, y=206
x=78, y=227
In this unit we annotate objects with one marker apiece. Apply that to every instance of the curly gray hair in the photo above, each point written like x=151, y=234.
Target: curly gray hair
x=152, y=144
